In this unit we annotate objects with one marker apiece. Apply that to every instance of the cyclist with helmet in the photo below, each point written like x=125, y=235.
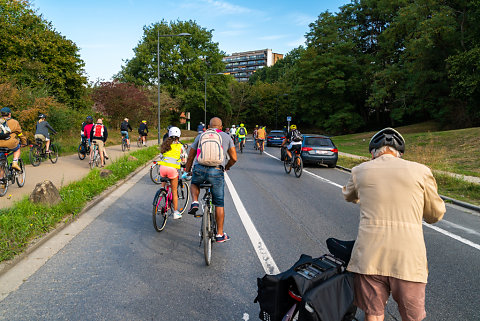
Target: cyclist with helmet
x=173, y=156
x=241, y=134
x=294, y=140
x=233, y=134
x=389, y=255
x=260, y=137
x=41, y=131
x=99, y=135
x=11, y=136
x=167, y=133
x=83, y=132
x=124, y=127
x=143, y=131
x=254, y=136
x=86, y=130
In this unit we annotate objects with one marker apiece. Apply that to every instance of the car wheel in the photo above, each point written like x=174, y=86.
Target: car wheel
x=332, y=165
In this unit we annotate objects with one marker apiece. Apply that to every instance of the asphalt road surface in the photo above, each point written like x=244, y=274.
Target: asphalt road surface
x=119, y=268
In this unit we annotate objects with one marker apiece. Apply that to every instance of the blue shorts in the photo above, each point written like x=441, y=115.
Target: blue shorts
x=124, y=132
x=212, y=175
x=241, y=138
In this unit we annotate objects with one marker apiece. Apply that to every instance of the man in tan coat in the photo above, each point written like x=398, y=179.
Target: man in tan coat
x=12, y=139
x=389, y=255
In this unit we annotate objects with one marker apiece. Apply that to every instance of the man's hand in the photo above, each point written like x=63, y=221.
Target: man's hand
x=3, y=136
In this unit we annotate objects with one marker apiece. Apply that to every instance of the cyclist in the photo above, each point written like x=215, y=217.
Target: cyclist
x=41, y=131
x=211, y=174
x=143, y=131
x=254, y=135
x=170, y=162
x=167, y=133
x=389, y=255
x=87, y=129
x=294, y=141
x=233, y=134
x=241, y=134
x=11, y=136
x=261, y=135
x=83, y=132
x=99, y=135
x=201, y=128
x=124, y=127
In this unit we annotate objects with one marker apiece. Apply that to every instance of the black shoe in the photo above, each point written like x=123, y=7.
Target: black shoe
x=194, y=209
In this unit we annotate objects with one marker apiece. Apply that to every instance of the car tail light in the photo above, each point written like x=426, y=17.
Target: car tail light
x=334, y=150
x=306, y=149
x=269, y=137
x=283, y=137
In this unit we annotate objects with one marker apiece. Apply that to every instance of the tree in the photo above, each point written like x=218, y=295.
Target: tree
x=34, y=54
x=184, y=62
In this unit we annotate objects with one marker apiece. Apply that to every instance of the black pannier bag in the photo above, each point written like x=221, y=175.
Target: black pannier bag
x=283, y=153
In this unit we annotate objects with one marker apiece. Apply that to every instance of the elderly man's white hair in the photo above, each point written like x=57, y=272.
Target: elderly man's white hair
x=379, y=151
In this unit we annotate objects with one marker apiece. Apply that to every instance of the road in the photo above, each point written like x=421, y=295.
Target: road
x=115, y=266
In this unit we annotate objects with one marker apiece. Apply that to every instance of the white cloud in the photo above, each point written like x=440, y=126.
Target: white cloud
x=228, y=8
x=272, y=37
x=301, y=19
x=299, y=42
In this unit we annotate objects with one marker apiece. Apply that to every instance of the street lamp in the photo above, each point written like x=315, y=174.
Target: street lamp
x=205, y=109
x=183, y=34
x=276, y=109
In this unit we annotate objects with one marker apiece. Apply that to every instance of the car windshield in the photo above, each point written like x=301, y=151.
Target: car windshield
x=276, y=133
x=318, y=141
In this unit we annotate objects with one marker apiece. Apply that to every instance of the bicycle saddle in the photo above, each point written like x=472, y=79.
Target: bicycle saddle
x=205, y=185
x=164, y=179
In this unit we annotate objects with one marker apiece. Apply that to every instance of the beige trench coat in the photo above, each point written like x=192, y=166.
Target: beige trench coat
x=394, y=195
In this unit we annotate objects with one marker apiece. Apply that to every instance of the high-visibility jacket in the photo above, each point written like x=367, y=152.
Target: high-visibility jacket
x=172, y=158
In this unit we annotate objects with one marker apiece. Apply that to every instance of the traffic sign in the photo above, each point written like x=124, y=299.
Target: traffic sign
x=289, y=118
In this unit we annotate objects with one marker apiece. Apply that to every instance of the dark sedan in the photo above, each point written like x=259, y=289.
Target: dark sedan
x=319, y=149
x=275, y=138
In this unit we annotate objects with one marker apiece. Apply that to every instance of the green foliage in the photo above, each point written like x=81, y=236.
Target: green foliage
x=184, y=62
x=25, y=220
x=33, y=54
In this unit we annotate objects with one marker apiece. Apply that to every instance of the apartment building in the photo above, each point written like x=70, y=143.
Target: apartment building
x=243, y=64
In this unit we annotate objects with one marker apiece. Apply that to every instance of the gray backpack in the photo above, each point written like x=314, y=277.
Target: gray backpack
x=4, y=129
x=210, y=150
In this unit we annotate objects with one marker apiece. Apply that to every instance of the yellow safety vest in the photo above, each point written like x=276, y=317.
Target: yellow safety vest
x=172, y=157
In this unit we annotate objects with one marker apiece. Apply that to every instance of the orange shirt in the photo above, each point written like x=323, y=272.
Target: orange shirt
x=261, y=133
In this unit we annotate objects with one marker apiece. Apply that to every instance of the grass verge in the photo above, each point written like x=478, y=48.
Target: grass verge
x=25, y=220
x=449, y=186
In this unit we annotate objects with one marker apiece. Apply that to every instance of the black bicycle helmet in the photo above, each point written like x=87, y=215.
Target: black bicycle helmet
x=90, y=118
x=42, y=116
x=387, y=137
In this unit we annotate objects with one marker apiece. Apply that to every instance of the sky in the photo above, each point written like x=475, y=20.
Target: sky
x=107, y=31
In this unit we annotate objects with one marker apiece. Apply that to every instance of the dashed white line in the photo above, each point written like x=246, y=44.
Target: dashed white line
x=436, y=228
x=261, y=249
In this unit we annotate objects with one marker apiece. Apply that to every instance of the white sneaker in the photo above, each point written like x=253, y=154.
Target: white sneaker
x=177, y=215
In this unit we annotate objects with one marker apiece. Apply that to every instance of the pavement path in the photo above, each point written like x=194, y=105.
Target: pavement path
x=67, y=169
x=115, y=266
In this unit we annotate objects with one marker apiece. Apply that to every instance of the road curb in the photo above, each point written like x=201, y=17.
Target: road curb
x=36, y=243
x=445, y=198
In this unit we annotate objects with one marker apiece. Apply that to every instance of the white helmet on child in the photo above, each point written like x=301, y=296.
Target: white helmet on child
x=174, y=131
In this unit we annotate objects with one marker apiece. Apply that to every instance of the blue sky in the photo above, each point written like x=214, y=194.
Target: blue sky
x=106, y=31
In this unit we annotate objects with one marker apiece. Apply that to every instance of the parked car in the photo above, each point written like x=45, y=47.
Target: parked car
x=319, y=149
x=275, y=138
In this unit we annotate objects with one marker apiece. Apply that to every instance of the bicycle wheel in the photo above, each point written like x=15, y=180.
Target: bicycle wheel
x=159, y=212
x=287, y=165
x=261, y=148
x=155, y=174
x=81, y=151
x=34, y=156
x=124, y=145
x=298, y=166
x=93, y=158
x=241, y=147
x=183, y=191
x=20, y=175
x=206, y=234
x=139, y=141
x=53, y=153
x=4, y=179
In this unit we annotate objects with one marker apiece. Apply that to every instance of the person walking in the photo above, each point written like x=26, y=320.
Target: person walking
x=204, y=147
x=389, y=255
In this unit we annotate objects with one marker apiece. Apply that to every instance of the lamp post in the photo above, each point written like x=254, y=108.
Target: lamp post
x=205, y=109
x=184, y=34
x=276, y=109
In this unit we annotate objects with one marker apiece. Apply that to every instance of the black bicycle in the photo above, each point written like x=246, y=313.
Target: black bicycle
x=9, y=175
x=208, y=229
x=125, y=145
x=83, y=149
x=38, y=152
x=296, y=163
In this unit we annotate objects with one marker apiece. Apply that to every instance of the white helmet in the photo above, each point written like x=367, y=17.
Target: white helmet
x=233, y=126
x=174, y=131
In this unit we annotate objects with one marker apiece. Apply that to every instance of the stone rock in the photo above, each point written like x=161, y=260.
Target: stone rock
x=46, y=193
x=105, y=173
x=132, y=158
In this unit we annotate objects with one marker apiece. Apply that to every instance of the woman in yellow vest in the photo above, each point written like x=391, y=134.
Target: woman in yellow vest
x=172, y=153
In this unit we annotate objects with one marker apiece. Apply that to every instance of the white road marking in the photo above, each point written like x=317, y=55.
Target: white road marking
x=261, y=249
x=15, y=277
x=436, y=228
